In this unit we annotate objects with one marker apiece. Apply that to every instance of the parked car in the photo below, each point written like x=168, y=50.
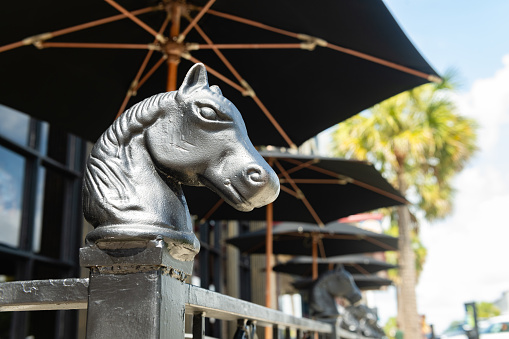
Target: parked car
x=497, y=328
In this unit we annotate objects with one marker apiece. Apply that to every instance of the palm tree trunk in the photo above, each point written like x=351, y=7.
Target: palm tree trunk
x=408, y=317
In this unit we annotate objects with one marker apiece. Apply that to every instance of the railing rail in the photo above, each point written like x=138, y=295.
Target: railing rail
x=67, y=294
x=41, y=295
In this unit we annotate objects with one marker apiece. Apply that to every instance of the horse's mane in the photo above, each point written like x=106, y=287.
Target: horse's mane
x=133, y=121
x=105, y=158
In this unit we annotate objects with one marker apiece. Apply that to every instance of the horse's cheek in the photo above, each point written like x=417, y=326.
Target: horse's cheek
x=158, y=144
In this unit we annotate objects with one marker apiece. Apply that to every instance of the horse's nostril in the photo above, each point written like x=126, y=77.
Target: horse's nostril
x=256, y=173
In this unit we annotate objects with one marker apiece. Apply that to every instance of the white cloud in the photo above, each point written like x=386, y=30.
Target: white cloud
x=488, y=102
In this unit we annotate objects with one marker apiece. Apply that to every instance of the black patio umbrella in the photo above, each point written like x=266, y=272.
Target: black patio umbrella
x=314, y=189
x=306, y=66
x=333, y=239
x=355, y=264
x=308, y=239
x=363, y=282
x=370, y=282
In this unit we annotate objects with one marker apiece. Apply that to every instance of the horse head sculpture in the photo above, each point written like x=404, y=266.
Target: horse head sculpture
x=328, y=286
x=331, y=284
x=193, y=136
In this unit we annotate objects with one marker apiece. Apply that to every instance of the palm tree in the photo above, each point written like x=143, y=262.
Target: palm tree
x=419, y=142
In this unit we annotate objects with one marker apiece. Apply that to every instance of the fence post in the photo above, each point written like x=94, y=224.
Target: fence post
x=136, y=290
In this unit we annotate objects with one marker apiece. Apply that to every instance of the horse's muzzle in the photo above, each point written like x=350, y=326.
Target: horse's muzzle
x=257, y=186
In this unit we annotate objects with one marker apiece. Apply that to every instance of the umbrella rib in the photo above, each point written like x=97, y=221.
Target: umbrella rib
x=313, y=41
x=212, y=210
x=150, y=72
x=194, y=22
x=301, y=165
x=219, y=54
x=301, y=195
x=316, y=181
x=353, y=181
x=132, y=90
x=310, y=165
x=273, y=121
x=217, y=74
x=249, y=46
x=379, y=243
x=253, y=23
x=96, y=45
x=360, y=269
x=37, y=39
x=322, y=248
x=140, y=23
x=104, y=21
x=379, y=191
x=289, y=191
x=386, y=63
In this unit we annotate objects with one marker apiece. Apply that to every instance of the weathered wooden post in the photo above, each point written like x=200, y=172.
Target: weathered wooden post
x=143, y=245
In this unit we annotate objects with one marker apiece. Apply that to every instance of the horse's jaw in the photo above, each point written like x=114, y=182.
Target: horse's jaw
x=245, y=195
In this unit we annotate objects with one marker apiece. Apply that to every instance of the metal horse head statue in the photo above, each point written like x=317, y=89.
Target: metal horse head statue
x=193, y=136
x=331, y=284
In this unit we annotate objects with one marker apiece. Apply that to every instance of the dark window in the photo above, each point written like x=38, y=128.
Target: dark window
x=40, y=216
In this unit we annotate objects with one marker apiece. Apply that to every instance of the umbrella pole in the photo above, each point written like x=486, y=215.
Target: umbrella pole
x=268, y=263
x=173, y=60
x=315, y=257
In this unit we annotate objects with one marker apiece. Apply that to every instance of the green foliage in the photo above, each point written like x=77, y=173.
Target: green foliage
x=417, y=134
x=390, y=327
x=486, y=310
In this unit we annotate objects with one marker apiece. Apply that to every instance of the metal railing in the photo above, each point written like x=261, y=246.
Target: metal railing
x=137, y=290
x=68, y=294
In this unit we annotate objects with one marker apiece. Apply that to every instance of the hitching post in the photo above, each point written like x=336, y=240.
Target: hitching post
x=143, y=245
x=136, y=290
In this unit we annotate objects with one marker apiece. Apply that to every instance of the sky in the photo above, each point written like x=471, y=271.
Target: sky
x=468, y=252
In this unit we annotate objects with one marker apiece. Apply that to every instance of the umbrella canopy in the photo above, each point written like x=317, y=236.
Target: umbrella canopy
x=333, y=239
x=313, y=189
x=355, y=264
x=305, y=66
x=370, y=282
x=363, y=282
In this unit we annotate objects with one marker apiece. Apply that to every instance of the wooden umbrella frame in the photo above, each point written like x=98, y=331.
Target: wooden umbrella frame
x=174, y=48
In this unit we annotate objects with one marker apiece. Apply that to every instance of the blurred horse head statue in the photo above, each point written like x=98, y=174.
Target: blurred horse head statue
x=328, y=286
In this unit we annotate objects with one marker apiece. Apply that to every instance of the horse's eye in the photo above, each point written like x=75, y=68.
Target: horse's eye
x=208, y=113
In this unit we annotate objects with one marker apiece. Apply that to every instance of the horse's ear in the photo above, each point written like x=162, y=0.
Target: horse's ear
x=339, y=267
x=196, y=79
